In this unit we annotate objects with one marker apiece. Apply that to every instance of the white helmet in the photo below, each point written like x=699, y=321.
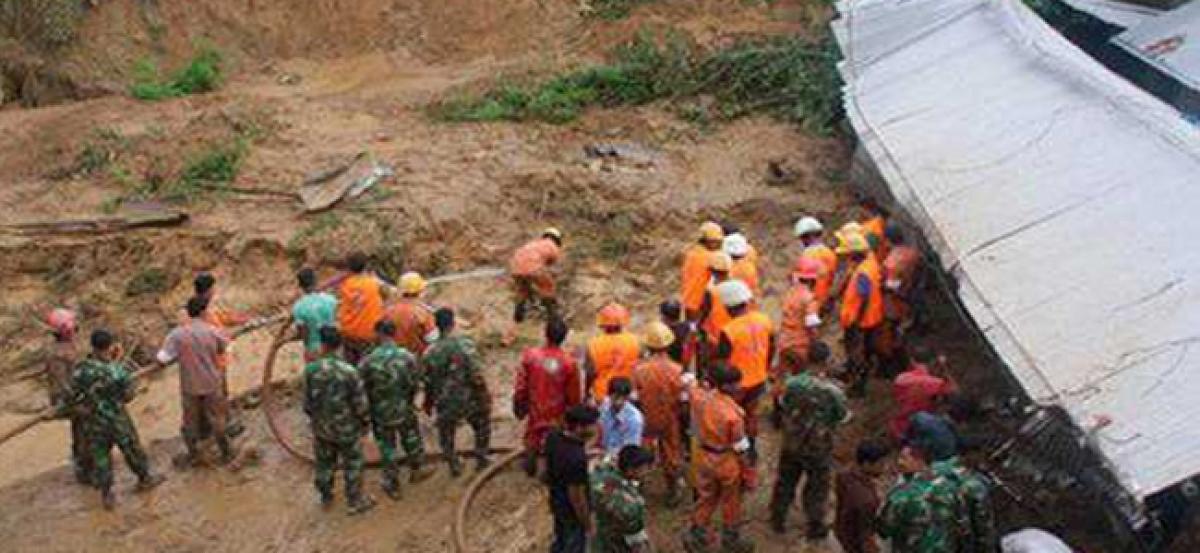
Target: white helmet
x=734, y=293
x=807, y=225
x=736, y=245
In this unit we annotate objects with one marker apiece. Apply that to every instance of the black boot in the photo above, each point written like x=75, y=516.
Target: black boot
x=519, y=311
x=226, y=450
x=391, y=486
x=108, y=498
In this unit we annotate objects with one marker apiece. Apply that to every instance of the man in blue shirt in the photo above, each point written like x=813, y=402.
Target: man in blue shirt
x=311, y=312
x=620, y=422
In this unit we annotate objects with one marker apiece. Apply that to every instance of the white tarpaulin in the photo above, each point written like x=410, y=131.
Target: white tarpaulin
x=1063, y=199
x=1115, y=12
x=1170, y=42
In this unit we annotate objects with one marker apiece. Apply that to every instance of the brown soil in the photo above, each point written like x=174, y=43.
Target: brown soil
x=464, y=196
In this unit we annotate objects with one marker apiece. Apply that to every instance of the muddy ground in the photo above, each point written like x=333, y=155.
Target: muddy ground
x=312, y=84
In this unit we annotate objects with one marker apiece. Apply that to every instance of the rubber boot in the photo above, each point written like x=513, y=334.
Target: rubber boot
x=108, y=498
x=519, y=311
x=733, y=542
x=226, y=450
x=481, y=462
x=150, y=481
x=695, y=540
x=391, y=486
x=817, y=531
x=326, y=498
x=190, y=457
x=360, y=504
x=530, y=464
x=777, y=523
x=455, y=463
x=417, y=472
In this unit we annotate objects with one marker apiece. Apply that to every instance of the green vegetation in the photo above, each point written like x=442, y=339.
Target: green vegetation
x=790, y=77
x=152, y=280
x=210, y=170
x=201, y=74
x=45, y=23
x=612, y=9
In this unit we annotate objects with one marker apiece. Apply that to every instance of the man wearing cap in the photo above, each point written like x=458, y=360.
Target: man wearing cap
x=548, y=383
x=60, y=361
x=744, y=268
x=747, y=344
x=696, y=262
x=659, y=390
x=613, y=353
x=862, y=311
x=808, y=230
x=532, y=276
x=412, y=317
x=721, y=467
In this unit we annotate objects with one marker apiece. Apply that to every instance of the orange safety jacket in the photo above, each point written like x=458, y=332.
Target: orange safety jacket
x=695, y=276
x=829, y=260
x=853, y=313
x=746, y=271
x=898, y=271
x=610, y=356
x=798, y=305
x=750, y=337
x=718, y=423
x=659, y=384
x=414, y=322
x=873, y=230
x=717, y=317
x=360, y=306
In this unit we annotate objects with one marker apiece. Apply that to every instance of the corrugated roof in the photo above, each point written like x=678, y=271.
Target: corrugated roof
x=1170, y=42
x=1065, y=201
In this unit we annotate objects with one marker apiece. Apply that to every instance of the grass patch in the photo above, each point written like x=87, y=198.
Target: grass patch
x=612, y=10
x=790, y=77
x=153, y=280
x=207, y=171
x=201, y=74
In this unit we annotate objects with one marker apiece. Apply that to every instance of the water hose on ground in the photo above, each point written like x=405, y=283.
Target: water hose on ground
x=460, y=538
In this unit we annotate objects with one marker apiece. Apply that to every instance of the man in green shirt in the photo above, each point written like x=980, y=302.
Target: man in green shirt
x=618, y=503
x=455, y=386
x=314, y=310
x=391, y=378
x=923, y=512
x=336, y=404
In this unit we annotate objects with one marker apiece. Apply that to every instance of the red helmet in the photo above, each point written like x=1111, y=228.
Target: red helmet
x=62, y=321
x=808, y=268
x=613, y=314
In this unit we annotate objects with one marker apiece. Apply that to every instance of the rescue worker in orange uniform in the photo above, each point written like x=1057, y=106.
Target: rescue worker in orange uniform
x=415, y=328
x=901, y=274
x=862, y=310
x=611, y=354
x=747, y=343
x=808, y=230
x=659, y=393
x=874, y=225
x=731, y=229
x=360, y=306
x=743, y=268
x=533, y=279
x=798, y=327
x=713, y=315
x=696, y=260
x=720, y=463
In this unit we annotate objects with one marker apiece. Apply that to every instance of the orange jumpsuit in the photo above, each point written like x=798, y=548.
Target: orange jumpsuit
x=795, y=335
x=658, y=382
x=360, y=306
x=610, y=356
x=898, y=271
x=746, y=271
x=414, y=322
x=530, y=268
x=873, y=230
x=718, y=428
x=694, y=278
x=750, y=337
x=824, y=285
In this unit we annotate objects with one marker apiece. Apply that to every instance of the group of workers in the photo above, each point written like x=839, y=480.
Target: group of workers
x=684, y=395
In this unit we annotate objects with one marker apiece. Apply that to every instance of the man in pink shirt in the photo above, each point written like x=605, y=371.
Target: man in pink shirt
x=918, y=388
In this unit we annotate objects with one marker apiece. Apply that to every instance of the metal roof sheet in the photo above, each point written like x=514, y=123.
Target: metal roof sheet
x=1063, y=199
x=1170, y=42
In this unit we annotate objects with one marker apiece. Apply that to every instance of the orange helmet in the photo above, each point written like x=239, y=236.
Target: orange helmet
x=613, y=314
x=62, y=321
x=808, y=268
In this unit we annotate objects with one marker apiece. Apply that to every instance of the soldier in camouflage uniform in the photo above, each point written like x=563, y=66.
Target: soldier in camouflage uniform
x=811, y=409
x=974, y=493
x=61, y=359
x=454, y=385
x=336, y=404
x=923, y=512
x=390, y=376
x=99, y=389
x=618, y=503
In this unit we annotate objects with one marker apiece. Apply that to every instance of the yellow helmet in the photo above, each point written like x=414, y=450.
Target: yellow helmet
x=552, y=232
x=711, y=231
x=658, y=335
x=411, y=283
x=852, y=243
x=720, y=261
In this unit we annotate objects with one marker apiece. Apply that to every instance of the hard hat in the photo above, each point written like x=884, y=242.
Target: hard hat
x=807, y=225
x=852, y=243
x=853, y=227
x=552, y=232
x=808, y=268
x=613, y=314
x=736, y=245
x=720, y=261
x=61, y=321
x=711, y=231
x=734, y=293
x=412, y=283
x=658, y=335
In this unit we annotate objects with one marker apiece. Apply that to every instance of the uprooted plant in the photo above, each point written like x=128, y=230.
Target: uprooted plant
x=791, y=77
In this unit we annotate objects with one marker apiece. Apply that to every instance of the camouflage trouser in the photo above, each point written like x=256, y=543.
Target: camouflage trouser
x=816, y=469
x=481, y=424
x=81, y=455
x=408, y=433
x=328, y=454
x=101, y=443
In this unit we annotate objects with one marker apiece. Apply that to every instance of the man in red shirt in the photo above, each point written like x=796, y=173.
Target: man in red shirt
x=918, y=388
x=548, y=384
